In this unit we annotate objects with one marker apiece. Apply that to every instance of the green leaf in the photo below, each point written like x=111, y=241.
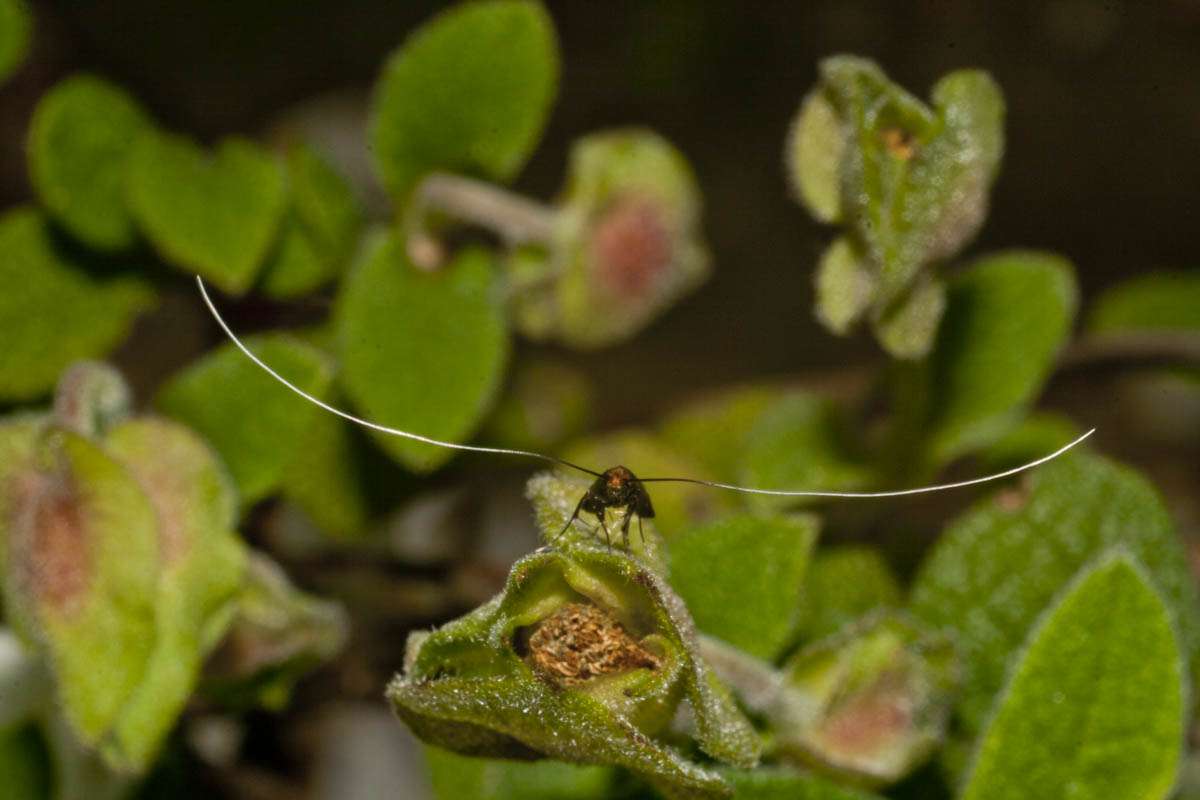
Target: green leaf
x=80, y=141
x=468, y=92
x=506, y=680
x=1094, y=704
x=845, y=286
x=997, y=566
x=908, y=328
x=813, y=157
x=202, y=563
x=1007, y=317
x=677, y=506
x=742, y=578
x=843, y=584
x=799, y=443
x=81, y=577
x=215, y=215
x=320, y=229
x=455, y=777
x=19, y=436
x=16, y=32
x=53, y=310
x=777, y=783
x=1038, y=435
x=25, y=765
x=422, y=352
x=328, y=477
x=715, y=430
x=1149, y=302
x=256, y=424
x=915, y=181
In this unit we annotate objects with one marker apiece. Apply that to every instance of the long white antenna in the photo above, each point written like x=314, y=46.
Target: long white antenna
x=555, y=460
x=366, y=423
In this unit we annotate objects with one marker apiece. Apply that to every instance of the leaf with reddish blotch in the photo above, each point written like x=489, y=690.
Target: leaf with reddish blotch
x=81, y=575
x=202, y=569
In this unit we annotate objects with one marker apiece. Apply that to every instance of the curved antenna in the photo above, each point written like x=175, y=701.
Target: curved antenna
x=897, y=493
x=365, y=423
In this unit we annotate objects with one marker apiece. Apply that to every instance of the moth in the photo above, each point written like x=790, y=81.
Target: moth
x=616, y=487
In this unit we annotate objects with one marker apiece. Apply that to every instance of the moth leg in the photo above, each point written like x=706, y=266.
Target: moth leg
x=625, y=525
x=641, y=533
x=607, y=537
x=574, y=516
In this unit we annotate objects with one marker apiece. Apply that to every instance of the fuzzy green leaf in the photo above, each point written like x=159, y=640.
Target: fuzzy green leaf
x=1094, y=705
x=1036, y=436
x=16, y=31
x=80, y=140
x=845, y=286
x=1001, y=563
x=201, y=568
x=482, y=685
x=422, y=352
x=908, y=328
x=467, y=92
x=776, y=783
x=1149, y=302
x=799, y=443
x=319, y=231
x=254, y=423
x=742, y=578
x=52, y=310
x=456, y=777
x=814, y=157
x=915, y=180
x=843, y=584
x=1007, y=317
x=213, y=214
x=81, y=577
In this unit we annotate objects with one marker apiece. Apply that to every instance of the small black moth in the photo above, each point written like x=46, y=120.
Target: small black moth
x=616, y=487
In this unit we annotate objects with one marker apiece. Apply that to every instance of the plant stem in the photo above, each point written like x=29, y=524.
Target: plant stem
x=515, y=219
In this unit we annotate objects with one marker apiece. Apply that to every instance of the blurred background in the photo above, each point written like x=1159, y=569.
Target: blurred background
x=1101, y=165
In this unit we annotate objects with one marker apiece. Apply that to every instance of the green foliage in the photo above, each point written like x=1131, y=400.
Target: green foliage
x=320, y=228
x=437, y=367
x=215, y=215
x=799, y=443
x=910, y=181
x=1149, y=302
x=256, y=425
x=742, y=578
x=25, y=765
x=456, y=777
x=1086, y=715
x=54, y=311
x=483, y=685
x=16, y=31
x=468, y=92
x=1000, y=564
x=80, y=140
x=843, y=584
x=716, y=429
x=1007, y=317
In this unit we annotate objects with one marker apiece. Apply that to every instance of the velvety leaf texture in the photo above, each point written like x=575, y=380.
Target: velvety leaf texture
x=1000, y=564
x=468, y=92
x=52, y=311
x=80, y=140
x=742, y=578
x=1007, y=316
x=422, y=352
x=456, y=777
x=843, y=584
x=254, y=423
x=1094, y=705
